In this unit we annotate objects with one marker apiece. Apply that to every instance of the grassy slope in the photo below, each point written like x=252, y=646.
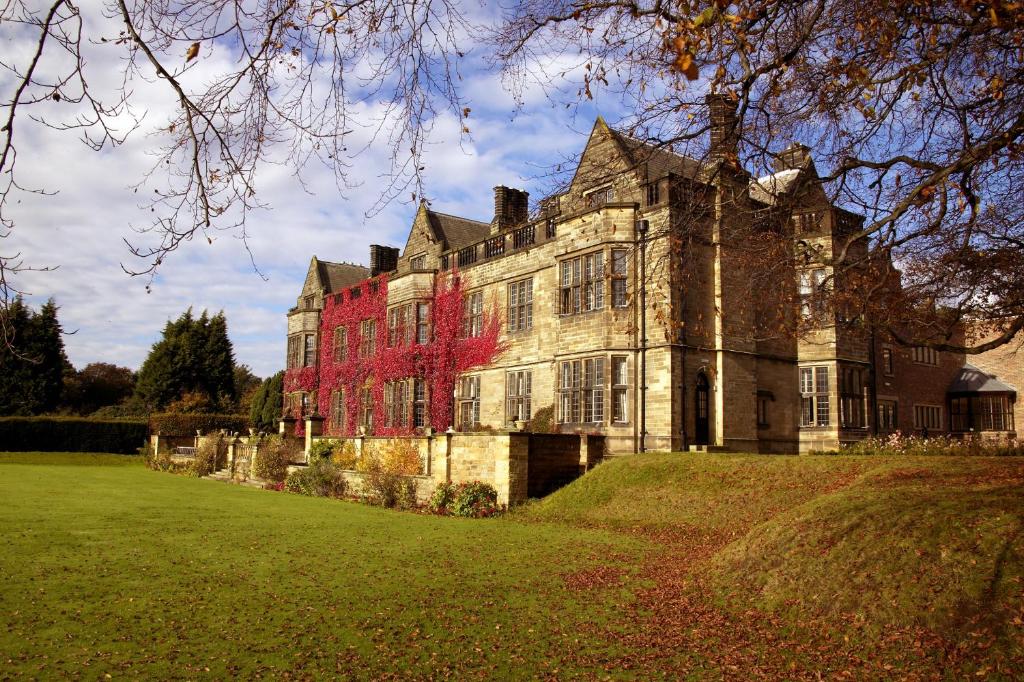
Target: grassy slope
x=882, y=543
x=118, y=569
x=742, y=566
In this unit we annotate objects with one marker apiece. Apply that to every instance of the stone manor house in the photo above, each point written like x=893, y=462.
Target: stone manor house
x=595, y=316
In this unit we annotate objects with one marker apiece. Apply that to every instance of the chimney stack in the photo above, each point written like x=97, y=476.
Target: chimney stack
x=382, y=259
x=511, y=207
x=795, y=155
x=725, y=132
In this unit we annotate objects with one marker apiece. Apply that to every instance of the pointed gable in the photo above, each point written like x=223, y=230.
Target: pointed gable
x=603, y=158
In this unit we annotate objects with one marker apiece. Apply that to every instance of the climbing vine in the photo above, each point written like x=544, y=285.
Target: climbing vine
x=438, y=362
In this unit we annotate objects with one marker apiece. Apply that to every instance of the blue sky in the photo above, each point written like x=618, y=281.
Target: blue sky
x=109, y=315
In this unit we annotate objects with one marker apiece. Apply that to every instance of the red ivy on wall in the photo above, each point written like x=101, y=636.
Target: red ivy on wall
x=438, y=362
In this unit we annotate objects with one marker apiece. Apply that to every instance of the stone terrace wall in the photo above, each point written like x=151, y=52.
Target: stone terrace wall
x=518, y=465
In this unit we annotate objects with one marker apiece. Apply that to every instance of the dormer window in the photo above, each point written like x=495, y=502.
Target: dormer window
x=309, y=302
x=600, y=196
x=418, y=262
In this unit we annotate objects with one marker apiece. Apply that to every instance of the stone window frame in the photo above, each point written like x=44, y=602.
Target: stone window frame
x=810, y=286
x=340, y=343
x=518, y=392
x=473, y=320
x=294, y=351
x=397, y=403
x=400, y=325
x=619, y=275
x=763, y=400
x=419, y=402
x=367, y=338
x=925, y=355
x=888, y=361
x=309, y=350
x=619, y=377
x=422, y=321
x=581, y=390
x=887, y=417
x=852, y=394
x=928, y=417
x=520, y=305
x=815, y=402
x=599, y=196
x=337, y=415
x=418, y=262
x=469, y=402
x=581, y=283
x=366, y=409
x=652, y=193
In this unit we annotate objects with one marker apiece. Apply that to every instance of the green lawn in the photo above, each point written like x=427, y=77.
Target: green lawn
x=657, y=565
x=117, y=569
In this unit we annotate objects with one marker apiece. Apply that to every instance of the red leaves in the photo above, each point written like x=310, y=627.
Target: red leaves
x=438, y=362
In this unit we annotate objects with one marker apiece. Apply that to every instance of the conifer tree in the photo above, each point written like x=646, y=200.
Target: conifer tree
x=266, y=404
x=32, y=366
x=193, y=356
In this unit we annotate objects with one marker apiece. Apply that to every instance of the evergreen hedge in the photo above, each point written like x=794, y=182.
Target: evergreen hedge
x=71, y=434
x=174, y=424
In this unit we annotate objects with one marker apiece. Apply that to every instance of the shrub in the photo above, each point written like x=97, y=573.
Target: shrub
x=441, y=499
x=273, y=457
x=544, y=420
x=344, y=455
x=161, y=461
x=71, y=434
x=321, y=478
x=175, y=424
x=321, y=449
x=388, y=474
x=897, y=444
x=209, y=456
x=471, y=500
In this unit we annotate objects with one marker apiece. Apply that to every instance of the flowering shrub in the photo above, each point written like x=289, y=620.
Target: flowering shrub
x=321, y=478
x=473, y=500
x=898, y=444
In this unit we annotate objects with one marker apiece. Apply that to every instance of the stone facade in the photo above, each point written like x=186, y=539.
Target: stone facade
x=618, y=322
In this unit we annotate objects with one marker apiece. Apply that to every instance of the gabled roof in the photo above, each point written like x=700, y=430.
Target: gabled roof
x=660, y=161
x=970, y=379
x=457, y=232
x=769, y=188
x=336, y=276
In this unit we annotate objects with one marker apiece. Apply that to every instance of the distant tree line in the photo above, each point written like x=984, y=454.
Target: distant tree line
x=190, y=369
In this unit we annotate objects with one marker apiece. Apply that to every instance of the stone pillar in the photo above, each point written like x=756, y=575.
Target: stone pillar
x=286, y=427
x=314, y=428
x=511, y=469
x=154, y=441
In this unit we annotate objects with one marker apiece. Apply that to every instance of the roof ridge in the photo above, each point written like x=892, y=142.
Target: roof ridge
x=344, y=262
x=452, y=215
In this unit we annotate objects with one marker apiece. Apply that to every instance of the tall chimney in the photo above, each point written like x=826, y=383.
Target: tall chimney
x=511, y=207
x=795, y=155
x=725, y=131
x=382, y=259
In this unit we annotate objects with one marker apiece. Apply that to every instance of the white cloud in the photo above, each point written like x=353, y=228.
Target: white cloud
x=82, y=228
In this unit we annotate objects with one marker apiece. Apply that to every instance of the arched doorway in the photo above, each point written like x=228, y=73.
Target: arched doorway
x=701, y=410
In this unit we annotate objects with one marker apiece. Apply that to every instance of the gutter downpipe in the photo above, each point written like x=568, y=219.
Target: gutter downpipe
x=641, y=228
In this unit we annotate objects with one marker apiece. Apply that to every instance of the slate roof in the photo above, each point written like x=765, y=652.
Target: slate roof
x=660, y=161
x=973, y=380
x=337, y=276
x=457, y=232
x=767, y=189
